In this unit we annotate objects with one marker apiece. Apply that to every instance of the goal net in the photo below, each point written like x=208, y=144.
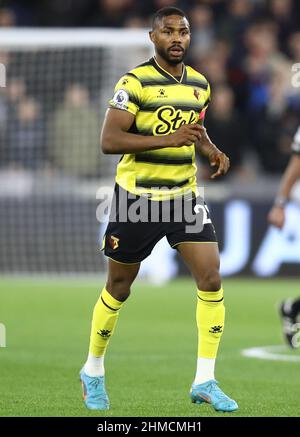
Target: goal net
x=52, y=105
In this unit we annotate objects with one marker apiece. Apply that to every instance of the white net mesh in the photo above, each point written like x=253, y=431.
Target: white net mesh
x=51, y=110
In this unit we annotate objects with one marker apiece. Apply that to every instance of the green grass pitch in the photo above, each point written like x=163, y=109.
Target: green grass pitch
x=151, y=360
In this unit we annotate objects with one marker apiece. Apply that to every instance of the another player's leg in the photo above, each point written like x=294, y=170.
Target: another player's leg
x=105, y=315
x=203, y=261
x=289, y=312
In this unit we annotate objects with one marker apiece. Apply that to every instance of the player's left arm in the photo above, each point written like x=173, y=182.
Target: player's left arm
x=214, y=155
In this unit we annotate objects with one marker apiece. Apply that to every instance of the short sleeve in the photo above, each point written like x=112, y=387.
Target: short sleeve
x=296, y=142
x=127, y=94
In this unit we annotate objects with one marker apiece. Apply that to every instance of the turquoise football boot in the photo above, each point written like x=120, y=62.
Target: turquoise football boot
x=210, y=392
x=94, y=393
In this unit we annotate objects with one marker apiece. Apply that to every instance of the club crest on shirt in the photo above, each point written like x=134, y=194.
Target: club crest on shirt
x=196, y=94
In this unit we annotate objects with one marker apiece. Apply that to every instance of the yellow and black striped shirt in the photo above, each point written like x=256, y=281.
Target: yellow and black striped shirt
x=160, y=103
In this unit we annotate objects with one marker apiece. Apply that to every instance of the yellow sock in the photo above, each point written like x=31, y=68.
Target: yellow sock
x=210, y=322
x=105, y=317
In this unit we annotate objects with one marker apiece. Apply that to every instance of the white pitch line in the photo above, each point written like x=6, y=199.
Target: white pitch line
x=269, y=353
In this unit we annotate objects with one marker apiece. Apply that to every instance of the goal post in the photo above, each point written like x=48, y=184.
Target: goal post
x=58, y=82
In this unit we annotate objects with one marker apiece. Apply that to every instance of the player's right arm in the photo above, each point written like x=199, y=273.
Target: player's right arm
x=292, y=173
x=124, y=106
x=115, y=138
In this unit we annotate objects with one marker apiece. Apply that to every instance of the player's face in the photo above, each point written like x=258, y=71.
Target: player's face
x=171, y=38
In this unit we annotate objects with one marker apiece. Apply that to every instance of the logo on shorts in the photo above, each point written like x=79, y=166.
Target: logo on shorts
x=113, y=242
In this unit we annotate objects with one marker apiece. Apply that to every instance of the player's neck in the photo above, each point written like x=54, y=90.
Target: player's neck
x=174, y=70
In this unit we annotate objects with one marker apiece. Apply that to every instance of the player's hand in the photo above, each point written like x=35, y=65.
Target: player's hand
x=221, y=160
x=186, y=135
x=276, y=216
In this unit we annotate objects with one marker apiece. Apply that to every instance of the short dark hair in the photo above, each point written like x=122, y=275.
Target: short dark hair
x=166, y=12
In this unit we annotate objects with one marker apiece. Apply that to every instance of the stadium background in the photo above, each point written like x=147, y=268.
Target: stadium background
x=62, y=60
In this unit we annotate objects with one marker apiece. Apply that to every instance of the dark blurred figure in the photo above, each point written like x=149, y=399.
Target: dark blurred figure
x=10, y=97
x=7, y=17
x=26, y=136
x=217, y=6
x=263, y=58
x=270, y=94
x=112, y=13
x=275, y=135
x=60, y=13
x=214, y=63
x=281, y=11
x=20, y=13
x=233, y=25
x=15, y=90
x=225, y=126
x=73, y=134
x=203, y=30
x=294, y=47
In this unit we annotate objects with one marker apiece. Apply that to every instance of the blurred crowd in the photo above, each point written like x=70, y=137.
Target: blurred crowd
x=63, y=138
x=245, y=48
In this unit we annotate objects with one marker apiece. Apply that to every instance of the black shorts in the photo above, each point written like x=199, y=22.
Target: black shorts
x=136, y=224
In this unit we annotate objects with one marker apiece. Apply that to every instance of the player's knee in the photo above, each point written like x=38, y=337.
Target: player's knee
x=119, y=287
x=210, y=281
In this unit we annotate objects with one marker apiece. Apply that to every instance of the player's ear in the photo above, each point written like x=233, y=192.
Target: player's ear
x=151, y=35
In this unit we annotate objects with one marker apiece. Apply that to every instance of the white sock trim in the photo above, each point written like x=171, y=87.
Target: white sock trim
x=205, y=370
x=94, y=366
